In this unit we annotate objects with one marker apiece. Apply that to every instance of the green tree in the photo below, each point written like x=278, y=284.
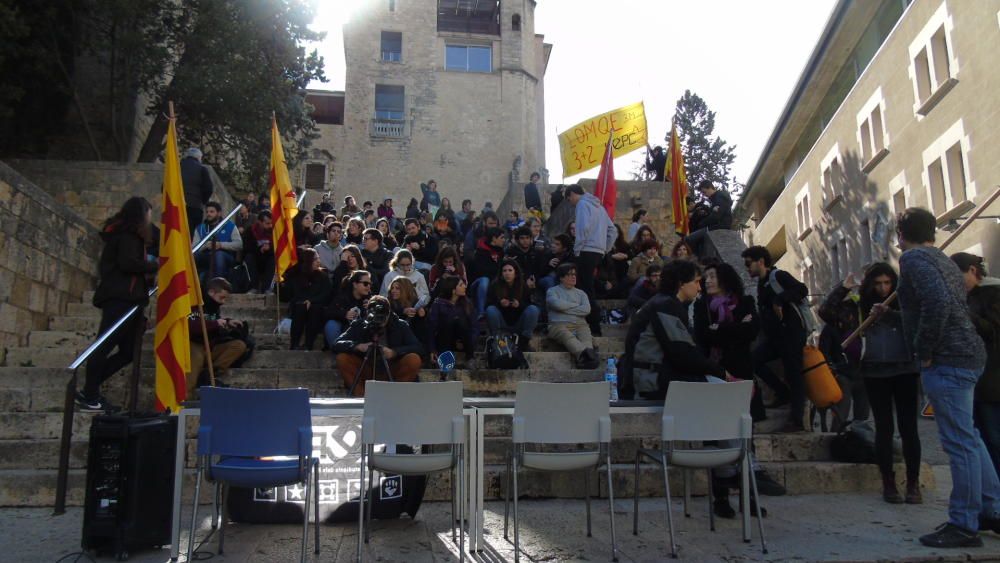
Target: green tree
x=242, y=60
x=705, y=157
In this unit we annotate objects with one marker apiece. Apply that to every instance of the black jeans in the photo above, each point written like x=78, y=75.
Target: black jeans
x=787, y=348
x=451, y=332
x=902, y=392
x=586, y=267
x=101, y=366
x=261, y=268
x=195, y=215
x=309, y=320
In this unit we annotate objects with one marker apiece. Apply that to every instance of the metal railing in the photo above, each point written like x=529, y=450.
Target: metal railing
x=62, y=476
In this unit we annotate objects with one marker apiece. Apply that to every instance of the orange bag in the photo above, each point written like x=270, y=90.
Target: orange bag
x=821, y=386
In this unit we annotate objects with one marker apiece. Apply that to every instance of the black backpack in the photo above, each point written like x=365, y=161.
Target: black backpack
x=503, y=352
x=852, y=445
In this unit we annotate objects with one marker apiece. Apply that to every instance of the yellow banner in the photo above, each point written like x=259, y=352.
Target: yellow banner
x=582, y=146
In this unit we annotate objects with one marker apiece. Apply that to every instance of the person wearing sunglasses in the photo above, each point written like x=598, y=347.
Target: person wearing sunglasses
x=351, y=303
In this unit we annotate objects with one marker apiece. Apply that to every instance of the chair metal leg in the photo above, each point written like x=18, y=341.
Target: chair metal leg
x=454, y=498
x=687, y=491
x=611, y=506
x=745, y=470
x=760, y=517
x=371, y=501
x=316, y=501
x=225, y=517
x=194, y=510
x=670, y=517
x=462, y=502
x=305, y=516
x=216, y=516
x=361, y=503
x=517, y=544
x=711, y=507
x=586, y=496
x=635, y=496
x=506, y=494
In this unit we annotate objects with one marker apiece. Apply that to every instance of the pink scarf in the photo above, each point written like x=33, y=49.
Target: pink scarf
x=721, y=307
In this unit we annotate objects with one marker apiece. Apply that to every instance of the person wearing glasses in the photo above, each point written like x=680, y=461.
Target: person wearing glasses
x=376, y=255
x=404, y=266
x=568, y=309
x=347, y=305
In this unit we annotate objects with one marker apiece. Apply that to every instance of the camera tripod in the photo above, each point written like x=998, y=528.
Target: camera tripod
x=374, y=357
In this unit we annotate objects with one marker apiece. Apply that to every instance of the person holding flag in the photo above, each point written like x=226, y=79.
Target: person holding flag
x=179, y=287
x=125, y=275
x=284, y=208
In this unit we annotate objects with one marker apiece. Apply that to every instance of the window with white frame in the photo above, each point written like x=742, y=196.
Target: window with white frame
x=392, y=46
x=809, y=275
x=803, y=215
x=899, y=193
x=832, y=178
x=872, y=131
x=933, y=65
x=945, y=174
x=468, y=58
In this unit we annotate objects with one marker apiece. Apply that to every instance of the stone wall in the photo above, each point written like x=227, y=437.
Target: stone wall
x=48, y=257
x=96, y=190
x=654, y=197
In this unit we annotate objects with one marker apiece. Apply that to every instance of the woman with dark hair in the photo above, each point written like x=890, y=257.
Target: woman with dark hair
x=508, y=304
x=682, y=251
x=643, y=234
x=412, y=209
x=612, y=275
x=571, y=233
x=351, y=260
x=451, y=320
x=649, y=254
x=984, y=308
x=638, y=219
x=841, y=315
x=388, y=240
x=307, y=290
x=447, y=263
x=302, y=226
x=125, y=279
x=891, y=379
x=446, y=211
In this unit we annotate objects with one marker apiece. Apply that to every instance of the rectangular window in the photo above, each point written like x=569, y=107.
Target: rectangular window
x=468, y=58
x=935, y=175
x=803, y=215
x=468, y=16
x=845, y=259
x=392, y=5
x=899, y=200
x=392, y=46
x=939, y=53
x=832, y=183
x=315, y=176
x=388, y=102
x=932, y=66
x=923, y=70
x=956, y=174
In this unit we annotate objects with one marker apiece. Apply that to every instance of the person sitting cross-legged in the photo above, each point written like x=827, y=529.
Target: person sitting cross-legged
x=568, y=309
x=508, y=306
x=398, y=346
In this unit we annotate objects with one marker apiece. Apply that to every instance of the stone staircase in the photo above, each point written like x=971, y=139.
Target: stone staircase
x=33, y=379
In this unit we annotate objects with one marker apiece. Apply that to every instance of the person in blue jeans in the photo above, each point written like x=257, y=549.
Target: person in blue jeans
x=349, y=304
x=952, y=357
x=486, y=265
x=508, y=307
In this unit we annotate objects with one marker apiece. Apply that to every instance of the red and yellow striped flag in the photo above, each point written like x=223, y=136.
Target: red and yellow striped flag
x=678, y=182
x=179, y=288
x=283, y=207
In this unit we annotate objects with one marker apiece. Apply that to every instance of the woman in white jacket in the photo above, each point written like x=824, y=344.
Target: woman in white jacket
x=402, y=266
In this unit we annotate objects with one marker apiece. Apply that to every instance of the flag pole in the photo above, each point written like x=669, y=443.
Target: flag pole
x=201, y=308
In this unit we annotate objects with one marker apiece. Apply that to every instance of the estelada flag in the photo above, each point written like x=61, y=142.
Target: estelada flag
x=678, y=182
x=179, y=287
x=607, y=189
x=283, y=207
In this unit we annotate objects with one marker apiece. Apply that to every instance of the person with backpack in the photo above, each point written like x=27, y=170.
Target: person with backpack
x=508, y=306
x=568, y=308
x=984, y=309
x=952, y=356
x=785, y=325
x=452, y=320
x=891, y=379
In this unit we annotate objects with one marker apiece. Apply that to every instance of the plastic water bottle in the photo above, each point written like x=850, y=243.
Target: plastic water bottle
x=611, y=376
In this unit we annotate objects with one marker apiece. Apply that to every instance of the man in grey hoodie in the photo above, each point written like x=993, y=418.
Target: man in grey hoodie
x=595, y=235
x=952, y=356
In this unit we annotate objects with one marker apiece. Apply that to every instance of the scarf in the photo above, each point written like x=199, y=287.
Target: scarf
x=721, y=307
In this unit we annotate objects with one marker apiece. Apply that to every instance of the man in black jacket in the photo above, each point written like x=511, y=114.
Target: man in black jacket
x=783, y=332
x=531, y=198
x=523, y=252
x=659, y=347
x=198, y=186
x=720, y=215
x=397, y=345
x=377, y=257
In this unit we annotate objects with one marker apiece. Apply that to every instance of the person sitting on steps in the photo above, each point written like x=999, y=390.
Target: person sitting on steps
x=568, y=309
x=226, y=338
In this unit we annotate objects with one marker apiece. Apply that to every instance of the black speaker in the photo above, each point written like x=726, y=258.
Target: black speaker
x=130, y=483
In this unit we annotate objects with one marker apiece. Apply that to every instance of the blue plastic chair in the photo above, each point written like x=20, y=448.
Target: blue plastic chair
x=239, y=427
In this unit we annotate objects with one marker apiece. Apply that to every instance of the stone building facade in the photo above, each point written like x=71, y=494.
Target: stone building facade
x=436, y=89
x=898, y=107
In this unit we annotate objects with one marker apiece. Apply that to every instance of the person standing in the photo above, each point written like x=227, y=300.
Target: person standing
x=532, y=200
x=783, y=331
x=125, y=278
x=198, y=186
x=984, y=306
x=952, y=358
x=595, y=236
x=431, y=199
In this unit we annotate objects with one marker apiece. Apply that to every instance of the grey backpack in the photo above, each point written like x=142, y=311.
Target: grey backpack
x=805, y=312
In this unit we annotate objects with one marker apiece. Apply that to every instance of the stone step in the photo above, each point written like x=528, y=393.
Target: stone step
x=36, y=487
x=80, y=340
x=247, y=312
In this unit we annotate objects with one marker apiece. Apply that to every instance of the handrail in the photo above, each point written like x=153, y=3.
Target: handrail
x=62, y=477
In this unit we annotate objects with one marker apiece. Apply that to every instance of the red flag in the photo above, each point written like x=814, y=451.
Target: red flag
x=607, y=188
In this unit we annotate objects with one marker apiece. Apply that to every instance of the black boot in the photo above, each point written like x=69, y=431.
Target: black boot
x=890, y=493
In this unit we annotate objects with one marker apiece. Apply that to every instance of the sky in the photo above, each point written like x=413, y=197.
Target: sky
x=742, y=57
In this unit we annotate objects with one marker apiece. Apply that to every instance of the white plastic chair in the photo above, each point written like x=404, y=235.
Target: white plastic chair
x=694, y=412
x=413, y=413
x=560, y=413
